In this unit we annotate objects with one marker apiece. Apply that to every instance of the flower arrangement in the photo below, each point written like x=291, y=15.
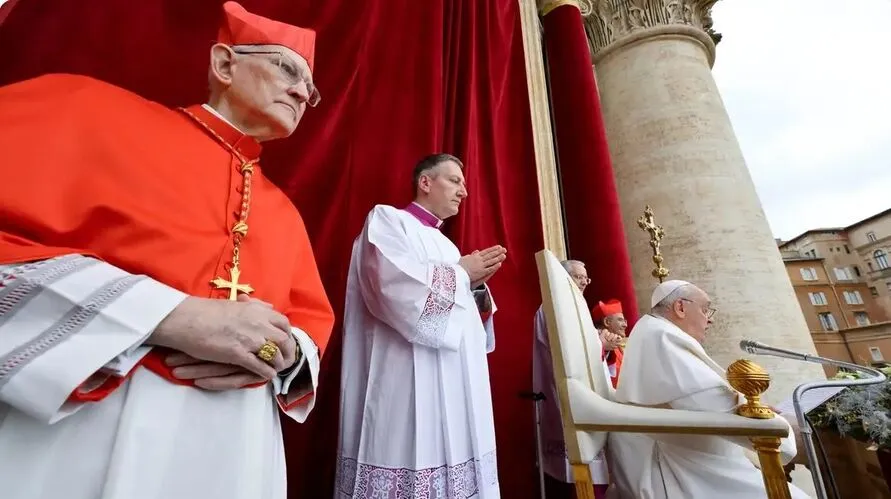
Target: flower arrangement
x=859, y=412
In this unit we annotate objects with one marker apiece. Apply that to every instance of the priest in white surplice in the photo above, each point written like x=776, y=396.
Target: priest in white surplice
x=150, y=331
x=556, y=462
x=416, y=408
x=666, y=366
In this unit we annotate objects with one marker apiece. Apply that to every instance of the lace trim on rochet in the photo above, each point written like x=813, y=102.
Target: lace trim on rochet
x=435, y=316
x=460, y=481
x=23, y=283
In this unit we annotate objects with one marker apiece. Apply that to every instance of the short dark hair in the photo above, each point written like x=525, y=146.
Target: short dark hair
x=430, y=162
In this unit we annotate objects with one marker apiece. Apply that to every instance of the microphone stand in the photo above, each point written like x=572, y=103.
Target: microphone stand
x=803, y=424
x=538, y=397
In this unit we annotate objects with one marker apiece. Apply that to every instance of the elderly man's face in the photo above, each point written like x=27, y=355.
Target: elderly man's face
x=445, y=189
x=580, y=275
x=270, y=88
x=694, y=314
x=616, y=324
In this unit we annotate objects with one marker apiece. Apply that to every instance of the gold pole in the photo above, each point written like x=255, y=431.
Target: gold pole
x=648, y=223
x=768, y=449
x=584, y=484
x=542, y=133
x=752, y=380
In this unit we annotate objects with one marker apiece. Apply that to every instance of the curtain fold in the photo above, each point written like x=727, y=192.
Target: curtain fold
x=593, y=214
x=399, y=79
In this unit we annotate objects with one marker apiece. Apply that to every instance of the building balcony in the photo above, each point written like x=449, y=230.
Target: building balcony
x=873, y=275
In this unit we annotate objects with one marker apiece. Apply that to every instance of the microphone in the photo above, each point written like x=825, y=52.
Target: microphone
x=875, y=376
x=757, y=348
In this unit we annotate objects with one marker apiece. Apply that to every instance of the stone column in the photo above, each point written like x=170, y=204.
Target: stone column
x=673, y=147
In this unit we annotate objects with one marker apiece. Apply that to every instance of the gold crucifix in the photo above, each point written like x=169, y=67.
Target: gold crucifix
x=232, y=284
x=648, y=223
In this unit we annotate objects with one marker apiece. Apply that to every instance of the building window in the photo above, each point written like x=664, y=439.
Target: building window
x=843, y=274
x=828, y=322
x=881, y=259
x=853, y=298
x=871, y=237
x=818, y=298
x=847, y=249
x=809, y=274
x=856, y=270
x=874, y=291
x=862, y=318
x=876, y=354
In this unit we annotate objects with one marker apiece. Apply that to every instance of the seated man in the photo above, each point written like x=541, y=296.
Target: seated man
x=666, y=366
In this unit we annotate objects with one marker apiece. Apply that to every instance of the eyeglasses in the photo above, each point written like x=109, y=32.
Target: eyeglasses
x=707, y=310
x=581, y=278
x=290, y=73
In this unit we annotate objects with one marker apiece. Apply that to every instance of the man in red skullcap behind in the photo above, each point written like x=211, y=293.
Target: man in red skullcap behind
x=611, y=325
x=159, y=298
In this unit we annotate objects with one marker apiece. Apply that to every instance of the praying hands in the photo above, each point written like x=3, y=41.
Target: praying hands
x=610, y=341
x=481, y=265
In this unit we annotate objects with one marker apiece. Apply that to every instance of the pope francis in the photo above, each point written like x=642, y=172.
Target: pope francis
x=666, y=366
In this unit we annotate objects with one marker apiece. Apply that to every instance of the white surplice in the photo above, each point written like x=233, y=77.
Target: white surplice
x=64, y=319
x=556, y=460
x=663, y=366
x=416, y=408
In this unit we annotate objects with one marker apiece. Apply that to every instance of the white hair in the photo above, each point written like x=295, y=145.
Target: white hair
x=684, y=292
x=567, y=264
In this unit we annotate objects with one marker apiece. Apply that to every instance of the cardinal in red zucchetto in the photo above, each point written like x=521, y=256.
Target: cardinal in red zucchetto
x=611, y=325
x=159, y=299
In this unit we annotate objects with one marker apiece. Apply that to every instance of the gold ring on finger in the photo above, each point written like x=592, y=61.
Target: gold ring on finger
x=267, y=352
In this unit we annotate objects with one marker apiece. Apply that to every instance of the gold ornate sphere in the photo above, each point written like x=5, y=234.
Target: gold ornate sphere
x=751, y=380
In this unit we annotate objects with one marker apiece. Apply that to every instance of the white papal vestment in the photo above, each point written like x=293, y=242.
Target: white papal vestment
x=663, y=366
x=556, y=460
x=61, y=320
x=416, y=408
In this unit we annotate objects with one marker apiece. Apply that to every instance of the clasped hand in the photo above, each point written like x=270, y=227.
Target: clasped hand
x=610, y=341
x=217, y=340
x=481, y=265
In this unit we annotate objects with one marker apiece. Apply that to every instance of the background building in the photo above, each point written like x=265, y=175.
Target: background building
x=842, y=279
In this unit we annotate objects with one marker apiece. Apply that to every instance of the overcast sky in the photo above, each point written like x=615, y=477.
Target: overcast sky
x=807, y=84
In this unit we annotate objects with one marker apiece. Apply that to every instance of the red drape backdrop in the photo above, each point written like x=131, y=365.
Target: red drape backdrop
x=399, y=79
x=593, y=215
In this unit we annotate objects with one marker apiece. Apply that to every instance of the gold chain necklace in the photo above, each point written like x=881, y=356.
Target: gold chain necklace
x=240, y=229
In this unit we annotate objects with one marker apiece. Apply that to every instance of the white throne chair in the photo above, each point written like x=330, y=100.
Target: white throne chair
x=586, y=394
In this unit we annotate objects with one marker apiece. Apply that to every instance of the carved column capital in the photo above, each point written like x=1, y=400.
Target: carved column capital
x=612, y=23
x=546, y=6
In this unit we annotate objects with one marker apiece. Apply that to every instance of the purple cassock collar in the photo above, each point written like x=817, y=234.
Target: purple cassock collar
x=423, y=216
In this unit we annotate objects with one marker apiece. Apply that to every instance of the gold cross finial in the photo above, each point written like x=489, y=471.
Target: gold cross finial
x=648, y=223
x=232, y=284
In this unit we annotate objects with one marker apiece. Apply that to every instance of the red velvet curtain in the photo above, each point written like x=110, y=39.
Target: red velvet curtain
x=593, y=215
x=399, y=79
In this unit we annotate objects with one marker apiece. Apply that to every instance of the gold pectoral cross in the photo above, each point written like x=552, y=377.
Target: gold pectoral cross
x=232, y=284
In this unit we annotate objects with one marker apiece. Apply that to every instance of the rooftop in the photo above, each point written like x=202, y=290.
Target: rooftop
x=826, y=230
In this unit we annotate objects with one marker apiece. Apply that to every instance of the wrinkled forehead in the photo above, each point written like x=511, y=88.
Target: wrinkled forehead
x=578, y=269
x=287, y=53
x=450, y=168
x=702, y=297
